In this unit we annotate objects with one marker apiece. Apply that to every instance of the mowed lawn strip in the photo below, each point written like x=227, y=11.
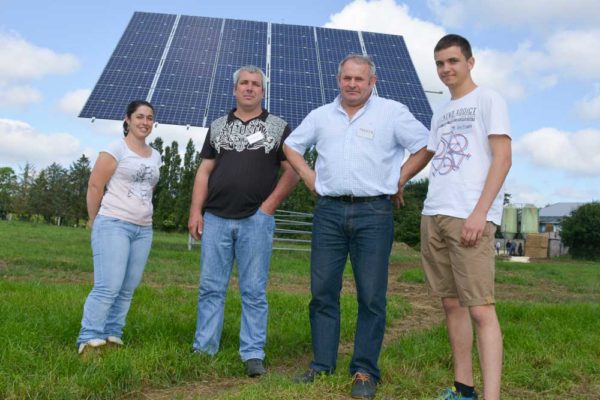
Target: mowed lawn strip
x=549, y=314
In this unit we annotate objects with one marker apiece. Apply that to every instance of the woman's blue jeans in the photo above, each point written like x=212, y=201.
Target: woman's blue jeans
x=120, y=251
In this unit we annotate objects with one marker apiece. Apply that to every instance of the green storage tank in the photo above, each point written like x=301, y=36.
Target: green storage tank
x=509, y=221
x=530, y=220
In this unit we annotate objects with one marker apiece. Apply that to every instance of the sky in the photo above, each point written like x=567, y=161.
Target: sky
x=541, y=55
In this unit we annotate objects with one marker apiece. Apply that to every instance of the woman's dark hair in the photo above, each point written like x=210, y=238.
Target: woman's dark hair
x=131, y=108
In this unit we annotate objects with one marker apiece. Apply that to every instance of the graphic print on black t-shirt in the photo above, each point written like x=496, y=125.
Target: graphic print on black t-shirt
x=238, y=136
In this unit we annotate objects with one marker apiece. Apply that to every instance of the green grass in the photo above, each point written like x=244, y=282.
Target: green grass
x=550, y=316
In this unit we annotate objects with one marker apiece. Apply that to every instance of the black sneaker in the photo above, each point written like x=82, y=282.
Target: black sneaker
x=254, y=367
x=363, y=386
x=308, y=376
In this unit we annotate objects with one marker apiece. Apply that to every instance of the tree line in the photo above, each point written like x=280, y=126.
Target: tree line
x=58, y=195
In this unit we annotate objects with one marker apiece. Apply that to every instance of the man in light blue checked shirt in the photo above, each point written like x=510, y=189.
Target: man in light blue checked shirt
x=360, y=140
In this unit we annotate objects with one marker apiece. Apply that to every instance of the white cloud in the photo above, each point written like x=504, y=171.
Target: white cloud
x=573, y=193
x=513, y=73
x=23, y=61
x=574, y=53
x=521, y=193
x=73, y=102
x=589, y=107
x=21, y=142
x=576, y=152
x=18, y=95
x=516, y=13
x=386, y=16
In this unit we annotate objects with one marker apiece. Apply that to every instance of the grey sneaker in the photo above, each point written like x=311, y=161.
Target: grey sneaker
x=254, y=367
x=363, y=386
x=90, y=344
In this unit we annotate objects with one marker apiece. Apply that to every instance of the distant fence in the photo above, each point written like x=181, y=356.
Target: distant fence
x=293, y=231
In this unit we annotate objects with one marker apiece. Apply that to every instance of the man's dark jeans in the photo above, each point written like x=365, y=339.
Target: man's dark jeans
x=365, y=230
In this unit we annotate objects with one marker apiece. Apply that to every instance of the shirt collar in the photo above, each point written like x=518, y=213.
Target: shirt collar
x=338, y=104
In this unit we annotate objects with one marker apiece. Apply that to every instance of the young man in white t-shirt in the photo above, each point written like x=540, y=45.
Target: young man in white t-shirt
x=471, y=139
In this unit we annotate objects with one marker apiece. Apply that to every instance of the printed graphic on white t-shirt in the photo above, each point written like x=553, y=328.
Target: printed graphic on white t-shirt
x=142, y=184
x=453, y=148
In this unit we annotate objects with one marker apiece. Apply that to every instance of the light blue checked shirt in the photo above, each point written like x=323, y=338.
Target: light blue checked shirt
x=361, y=156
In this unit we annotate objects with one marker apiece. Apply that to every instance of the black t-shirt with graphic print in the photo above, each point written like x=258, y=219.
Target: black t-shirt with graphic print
x=247, y=158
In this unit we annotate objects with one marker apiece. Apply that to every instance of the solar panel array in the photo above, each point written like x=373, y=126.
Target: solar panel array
x=184, y=66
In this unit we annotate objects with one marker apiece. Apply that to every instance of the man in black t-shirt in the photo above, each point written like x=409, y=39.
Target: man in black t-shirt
x=236, y=193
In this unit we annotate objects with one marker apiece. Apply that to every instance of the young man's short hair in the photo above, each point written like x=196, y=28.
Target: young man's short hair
x=454, y=40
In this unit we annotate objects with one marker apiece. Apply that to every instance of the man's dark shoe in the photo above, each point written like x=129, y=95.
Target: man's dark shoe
x=363, y=386
x=254, y=367
x=308, y=376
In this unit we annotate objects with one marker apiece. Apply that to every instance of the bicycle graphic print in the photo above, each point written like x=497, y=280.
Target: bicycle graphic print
x=451, y=152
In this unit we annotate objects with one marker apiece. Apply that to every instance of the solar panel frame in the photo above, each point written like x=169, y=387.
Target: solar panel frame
x=184, y=65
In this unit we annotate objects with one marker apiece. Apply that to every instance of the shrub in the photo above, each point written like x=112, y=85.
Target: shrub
x=581, y=232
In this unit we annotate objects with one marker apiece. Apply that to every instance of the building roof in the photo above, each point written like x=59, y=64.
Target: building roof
x=558, y=210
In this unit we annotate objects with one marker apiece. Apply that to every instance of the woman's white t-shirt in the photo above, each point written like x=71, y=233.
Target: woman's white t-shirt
x=129, y=191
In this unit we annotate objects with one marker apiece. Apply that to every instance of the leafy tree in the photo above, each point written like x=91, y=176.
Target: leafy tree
x=581, y=232
x=25, y=180
x=38, y=200
x=170, y=173
x=8, y=188
x=49, y=193
x=78, y=176
x=407, y=219
x=191, y=161
x=58, y=191
x=301, y=199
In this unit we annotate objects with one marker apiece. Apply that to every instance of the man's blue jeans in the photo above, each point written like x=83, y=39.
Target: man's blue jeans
x=249, y=241
x=366, y=232
x=120, y=251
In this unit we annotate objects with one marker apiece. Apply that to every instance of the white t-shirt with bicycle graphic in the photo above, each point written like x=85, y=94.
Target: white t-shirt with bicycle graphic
x=459, y=168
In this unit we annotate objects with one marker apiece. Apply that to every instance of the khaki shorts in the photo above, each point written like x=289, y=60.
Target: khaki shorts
x=452, y=270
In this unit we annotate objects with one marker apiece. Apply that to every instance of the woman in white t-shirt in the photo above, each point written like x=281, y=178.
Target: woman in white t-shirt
x=121, y=221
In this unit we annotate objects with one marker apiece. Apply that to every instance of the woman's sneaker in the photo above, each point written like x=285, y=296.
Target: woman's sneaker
x=116, y=341
x=90, y=344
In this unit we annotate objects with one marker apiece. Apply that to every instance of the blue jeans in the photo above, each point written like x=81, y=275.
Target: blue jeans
x=248, y=240
x=120, y=251
x=366, y=232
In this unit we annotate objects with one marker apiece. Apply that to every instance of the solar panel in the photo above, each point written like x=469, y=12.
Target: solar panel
x=184, y=66
x=295, y=87
x=132, y=67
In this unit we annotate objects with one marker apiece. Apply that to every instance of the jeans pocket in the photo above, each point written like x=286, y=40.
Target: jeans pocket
x=264, y=213
x=382, y=207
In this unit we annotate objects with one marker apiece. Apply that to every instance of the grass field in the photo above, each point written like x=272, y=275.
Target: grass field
x=549, y=311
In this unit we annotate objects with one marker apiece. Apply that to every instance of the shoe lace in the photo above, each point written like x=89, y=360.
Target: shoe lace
x=362, y=377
